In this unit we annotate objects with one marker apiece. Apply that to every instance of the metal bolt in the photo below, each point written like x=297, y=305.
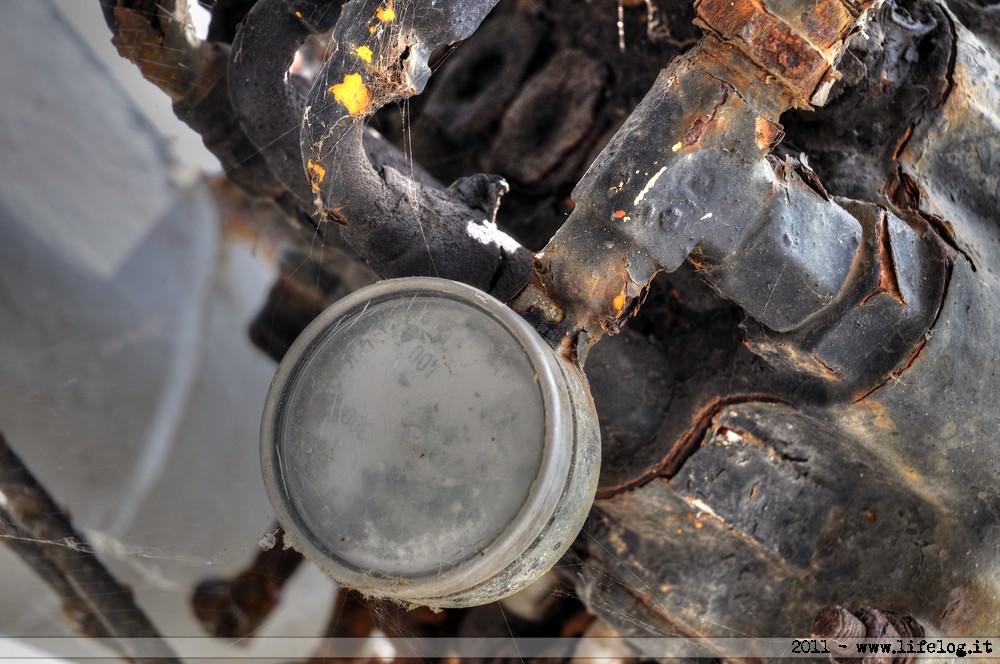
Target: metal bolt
x=836, y=622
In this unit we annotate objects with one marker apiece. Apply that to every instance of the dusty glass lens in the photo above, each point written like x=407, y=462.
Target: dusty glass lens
x=410, y=435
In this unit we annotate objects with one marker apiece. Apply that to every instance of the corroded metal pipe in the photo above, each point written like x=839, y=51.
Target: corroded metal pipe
x=64, y=559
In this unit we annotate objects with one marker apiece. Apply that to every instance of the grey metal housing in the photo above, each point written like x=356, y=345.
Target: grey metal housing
x=560, y=495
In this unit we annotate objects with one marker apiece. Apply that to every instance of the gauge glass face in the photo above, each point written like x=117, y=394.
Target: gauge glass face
x=410, y=435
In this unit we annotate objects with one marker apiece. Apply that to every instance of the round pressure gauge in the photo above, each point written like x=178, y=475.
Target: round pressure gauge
x=421, y=442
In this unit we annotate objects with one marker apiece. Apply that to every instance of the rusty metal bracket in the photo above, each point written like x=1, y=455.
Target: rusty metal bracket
x=691, y=176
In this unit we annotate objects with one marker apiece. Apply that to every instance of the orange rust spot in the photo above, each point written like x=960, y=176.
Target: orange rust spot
x=870, y=516
x=619, y=302
x=385, y=13
x=352, y=93
x=680, y=531
x=700, y=123
x=827, y=370
x=316, y=174
x=888, y=282
x=618, y=214
x=902, y=143
x=766, y=133
x=298, y=15
x=364, y=53
x=882, y=420
x=692, y=519
x=577, y=625
x=826, y=22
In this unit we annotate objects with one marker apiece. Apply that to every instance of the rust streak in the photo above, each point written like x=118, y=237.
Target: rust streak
x=904, y=192
x=689, y=442
x=826, y=368
x=914, y=355
x=700, y=123
x=888, y=280
x=767, y=134
x=902, y=143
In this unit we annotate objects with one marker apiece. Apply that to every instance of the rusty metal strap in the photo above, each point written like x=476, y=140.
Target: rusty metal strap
x=691, y=171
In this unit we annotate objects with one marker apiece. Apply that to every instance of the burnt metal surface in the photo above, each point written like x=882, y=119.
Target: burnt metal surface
x=706, y=182
x=795, y=234
x=159, y=39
